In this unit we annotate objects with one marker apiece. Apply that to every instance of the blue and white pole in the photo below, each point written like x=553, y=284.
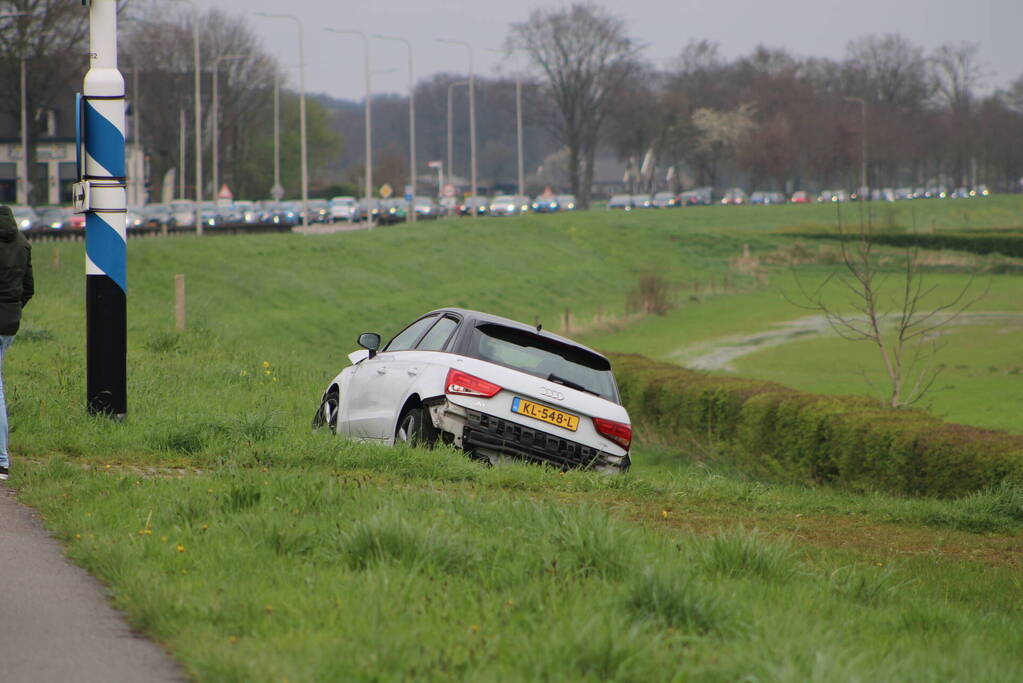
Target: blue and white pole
x=106, y=284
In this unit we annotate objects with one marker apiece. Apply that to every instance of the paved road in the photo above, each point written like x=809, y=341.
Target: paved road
x=55, y=622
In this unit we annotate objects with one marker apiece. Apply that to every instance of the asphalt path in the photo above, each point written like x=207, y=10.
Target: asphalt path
x=56, y=624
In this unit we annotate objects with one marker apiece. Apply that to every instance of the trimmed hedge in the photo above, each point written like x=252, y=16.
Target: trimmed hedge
x=1006, y=243
x=852, y=442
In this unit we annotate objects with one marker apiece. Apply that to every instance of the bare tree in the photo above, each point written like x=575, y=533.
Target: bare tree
x=52, y=37
x=889, y=70
x=957, y=72
x=586, y=56
x=900, y=323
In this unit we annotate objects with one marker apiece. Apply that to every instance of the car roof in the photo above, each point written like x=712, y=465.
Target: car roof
x=477, y=317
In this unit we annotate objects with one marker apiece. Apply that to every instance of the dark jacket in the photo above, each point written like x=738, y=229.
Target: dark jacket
x=16, y=284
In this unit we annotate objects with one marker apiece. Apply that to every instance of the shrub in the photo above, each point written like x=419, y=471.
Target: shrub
x=847, y=441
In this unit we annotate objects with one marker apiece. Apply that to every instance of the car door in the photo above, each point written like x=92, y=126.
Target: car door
x=380, y=382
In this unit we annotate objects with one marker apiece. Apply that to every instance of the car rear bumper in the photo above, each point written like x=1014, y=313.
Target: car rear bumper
x=493, y=437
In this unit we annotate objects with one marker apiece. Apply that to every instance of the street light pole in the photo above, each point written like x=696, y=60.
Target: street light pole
x=451, y=165
x=518, y=127
x=198, y=117
x=863, y=143
x=216, y=120
x=411, y=122
x=368, y=189
x=301, y=110
x=472, y=116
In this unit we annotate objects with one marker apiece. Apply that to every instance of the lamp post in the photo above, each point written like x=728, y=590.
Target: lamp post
x=411, y=122
x=472, y=116
x=368, y=185
x=518, y=127
x=301, y=109
x=23, y=185
x=451, y=86
x=216, y=119
x=198, y=117
x=863, y=143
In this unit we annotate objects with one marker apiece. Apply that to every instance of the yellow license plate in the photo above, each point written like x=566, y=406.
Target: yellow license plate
x=541, y=412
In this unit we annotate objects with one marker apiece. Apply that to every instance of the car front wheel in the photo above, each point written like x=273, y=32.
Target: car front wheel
x=326, y=414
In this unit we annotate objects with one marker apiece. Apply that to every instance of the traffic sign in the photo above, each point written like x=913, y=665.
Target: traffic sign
x=448, y=190
x=277, y=192
x=225, y=193
x=386, y=190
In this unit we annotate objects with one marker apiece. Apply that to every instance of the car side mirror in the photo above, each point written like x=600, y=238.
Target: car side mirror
x=370, y=341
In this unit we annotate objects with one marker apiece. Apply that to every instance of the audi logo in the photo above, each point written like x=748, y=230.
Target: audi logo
x=550, y=393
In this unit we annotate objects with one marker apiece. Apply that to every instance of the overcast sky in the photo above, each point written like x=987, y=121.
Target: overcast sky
x=805, y=27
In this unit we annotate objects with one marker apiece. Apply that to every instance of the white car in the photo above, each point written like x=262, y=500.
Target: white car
x=491, y=386
x=505, y=205
x=344, y=209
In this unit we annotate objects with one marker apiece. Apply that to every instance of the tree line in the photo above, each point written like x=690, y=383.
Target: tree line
x=766, y=120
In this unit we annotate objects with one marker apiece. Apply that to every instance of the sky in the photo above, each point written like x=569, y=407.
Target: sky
x=820, y=28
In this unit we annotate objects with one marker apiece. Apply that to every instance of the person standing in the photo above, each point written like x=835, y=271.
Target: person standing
x=16, y=288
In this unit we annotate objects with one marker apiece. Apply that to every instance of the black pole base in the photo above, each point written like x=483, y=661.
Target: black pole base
x=106, y=347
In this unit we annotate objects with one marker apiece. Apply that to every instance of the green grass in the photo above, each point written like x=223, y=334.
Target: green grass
x=310, y=558
x=340, y=561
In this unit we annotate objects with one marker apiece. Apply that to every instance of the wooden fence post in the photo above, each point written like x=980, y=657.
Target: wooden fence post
x=179, y=302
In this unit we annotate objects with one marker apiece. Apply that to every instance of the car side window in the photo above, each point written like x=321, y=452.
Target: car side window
x=438, y=336
x=407, y=337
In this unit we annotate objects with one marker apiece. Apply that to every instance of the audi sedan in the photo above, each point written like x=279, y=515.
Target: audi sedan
x=491, y=386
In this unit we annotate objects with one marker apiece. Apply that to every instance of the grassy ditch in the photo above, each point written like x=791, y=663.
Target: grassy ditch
x=338, y=561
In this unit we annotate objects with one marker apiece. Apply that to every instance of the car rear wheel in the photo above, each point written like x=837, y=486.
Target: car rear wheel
x=326, y=414
x=415, y=428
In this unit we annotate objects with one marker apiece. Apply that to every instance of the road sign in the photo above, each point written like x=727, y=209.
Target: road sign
x=548, y=193
x=225, y=193
x=386, y=190
x=277, y=192
x=448, y=190
x=435, y=164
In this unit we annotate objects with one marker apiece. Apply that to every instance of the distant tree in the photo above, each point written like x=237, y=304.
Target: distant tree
x=51, y=38
x=958, y=72
x=888, y=70
x=585, y=56
x=718, y=136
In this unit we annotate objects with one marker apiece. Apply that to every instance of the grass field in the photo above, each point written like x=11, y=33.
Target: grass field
x=256, y=550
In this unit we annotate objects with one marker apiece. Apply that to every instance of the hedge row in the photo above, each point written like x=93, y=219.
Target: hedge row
x=848, y=441
x=1006, y=243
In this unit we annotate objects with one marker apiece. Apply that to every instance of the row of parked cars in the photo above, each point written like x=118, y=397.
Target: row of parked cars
x=737, y=196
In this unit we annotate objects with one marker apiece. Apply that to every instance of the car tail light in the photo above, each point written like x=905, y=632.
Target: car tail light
x=619, y=432
x=464, y=384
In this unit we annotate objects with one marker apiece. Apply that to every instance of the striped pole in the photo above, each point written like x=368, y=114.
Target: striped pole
x=106, y=254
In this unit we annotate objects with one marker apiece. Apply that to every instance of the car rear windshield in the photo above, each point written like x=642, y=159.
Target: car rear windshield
x=550, y=359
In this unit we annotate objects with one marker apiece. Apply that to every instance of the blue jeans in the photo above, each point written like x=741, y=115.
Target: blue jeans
x=5, y=343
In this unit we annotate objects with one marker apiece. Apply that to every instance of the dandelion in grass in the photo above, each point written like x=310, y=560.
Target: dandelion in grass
x=266, y=364
x=163, y=539
x=269, y=609
x=78, y=537
x=205, y=527
x=180, y=548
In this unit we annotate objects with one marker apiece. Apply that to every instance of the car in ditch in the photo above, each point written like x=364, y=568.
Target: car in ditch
x=496, y=388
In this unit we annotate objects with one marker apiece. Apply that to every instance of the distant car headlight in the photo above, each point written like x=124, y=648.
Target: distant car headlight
x=26, y=223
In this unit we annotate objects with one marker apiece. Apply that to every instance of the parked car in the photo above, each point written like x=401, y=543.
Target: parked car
x=641, y=201
x=478, y=205
x=566, y=202
x=833, y=196
x=801, y=197
x=393, y=211
x=664, y=200
x=505, y=205
x=343, y=209
x=156, y=215
x=369, y=209
x=700, y=196
x=734, y=196
x=183, y=212
x=489, y=385
x=319, y=211
x=426, y=209
x=247, y=211
x=545, y=204
x=622, y=202
x=54, y=217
